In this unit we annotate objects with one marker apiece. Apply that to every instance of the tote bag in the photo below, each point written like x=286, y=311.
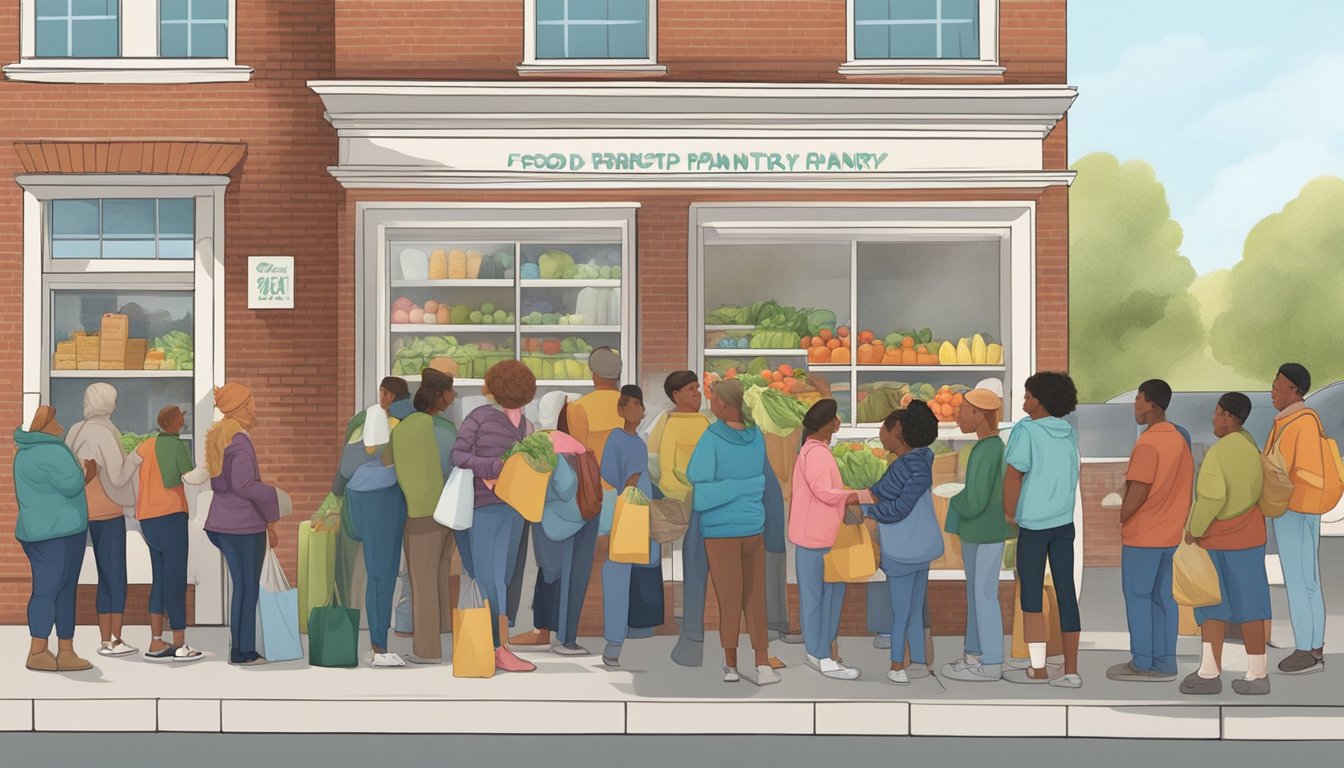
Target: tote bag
x=377, y=429
x=473, y=640
x=851, y=559
x=457, y=503
x=278, y=613
x=333, y=635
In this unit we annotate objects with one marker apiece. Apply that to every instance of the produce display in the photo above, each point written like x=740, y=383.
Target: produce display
x=558, y=265
x=171, y=352
x=828, y=349
x=774, y=326
x=130, y=441
x=879, y=399
x=557, y=358
x=407, y=312
x=771, y=410
x=457, y=264
x=416, y=353
x=537, y=449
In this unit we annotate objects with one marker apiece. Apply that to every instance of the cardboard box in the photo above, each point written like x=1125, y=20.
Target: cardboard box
x=112, y=354
x=93, y=366
x=87, y=350
x=64, y=364
x=115, y=326
x=135, y=354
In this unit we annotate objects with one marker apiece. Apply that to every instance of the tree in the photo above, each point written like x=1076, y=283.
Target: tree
x=1285, y=294
x=1131, y=316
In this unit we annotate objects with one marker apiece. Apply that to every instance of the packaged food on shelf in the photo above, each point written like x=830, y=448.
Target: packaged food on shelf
x=115, y=326
x=415, y=264
x=154, y=359
x=66, y=357
x=136, y=349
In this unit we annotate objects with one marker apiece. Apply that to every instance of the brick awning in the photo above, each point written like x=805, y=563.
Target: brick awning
x=196, y=158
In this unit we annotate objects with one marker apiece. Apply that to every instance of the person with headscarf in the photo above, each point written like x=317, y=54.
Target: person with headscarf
x=49, y=485
x=161, y=509
x=243, y=513
x=97, y=438
x=421, y=454
x=490, y=546
x=816, y=509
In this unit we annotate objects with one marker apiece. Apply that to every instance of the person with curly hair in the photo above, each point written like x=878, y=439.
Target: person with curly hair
x=491, y=544
x=1039, y=492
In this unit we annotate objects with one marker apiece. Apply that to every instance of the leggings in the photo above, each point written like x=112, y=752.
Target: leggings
x=109, y=552
x=1034, y=548
x=166, y=538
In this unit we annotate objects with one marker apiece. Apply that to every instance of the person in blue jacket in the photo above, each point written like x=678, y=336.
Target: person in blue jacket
x=53, y=518
x=908, y=533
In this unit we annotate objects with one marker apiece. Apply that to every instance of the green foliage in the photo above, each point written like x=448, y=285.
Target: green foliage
x=1284, y=295
x=1131, y=316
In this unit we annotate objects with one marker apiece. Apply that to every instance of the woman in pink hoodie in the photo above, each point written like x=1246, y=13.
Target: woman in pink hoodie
x=816, y=510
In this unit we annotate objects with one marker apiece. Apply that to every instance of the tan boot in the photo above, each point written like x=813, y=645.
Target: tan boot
x=42, y=661
x=68, y=661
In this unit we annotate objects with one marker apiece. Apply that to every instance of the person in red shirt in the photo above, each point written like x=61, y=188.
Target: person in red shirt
x=1158, y=490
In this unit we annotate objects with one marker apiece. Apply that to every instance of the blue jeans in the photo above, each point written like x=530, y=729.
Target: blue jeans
x=243, y=553
x=877, y=601
x=984, y=618
x=1299, y=540
x=1154, y=617
x=694, y=580
x=617, y=579
x=55, y=565
x=907, y=586
x=402, y=613
x=489, y=551
x=557, y=605
x=381, y=517
x=109, y=551
x=819, y=602
x=166, y=538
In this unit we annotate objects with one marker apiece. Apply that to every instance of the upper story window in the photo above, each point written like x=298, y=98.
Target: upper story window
x=567, y=35
x=123, y=228
x=128, y=41
x=923, y=37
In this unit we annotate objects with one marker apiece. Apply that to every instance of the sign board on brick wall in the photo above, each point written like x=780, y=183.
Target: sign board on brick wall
x=270, y=282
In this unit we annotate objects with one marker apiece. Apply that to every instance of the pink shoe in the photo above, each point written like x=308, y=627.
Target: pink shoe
x=506, y=661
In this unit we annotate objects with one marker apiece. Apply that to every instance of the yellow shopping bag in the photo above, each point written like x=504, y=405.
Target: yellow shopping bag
x=630, y=529
x=851, y=559
x=523, y=487
x=473, y=640
x=1194, y=581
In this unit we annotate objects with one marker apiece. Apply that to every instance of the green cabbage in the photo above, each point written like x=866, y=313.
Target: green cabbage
x=537, y=449
x=555, y=264
x=774, y=412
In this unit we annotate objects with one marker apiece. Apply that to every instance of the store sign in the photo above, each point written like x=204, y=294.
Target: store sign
x=270, y=282
x=698, y=162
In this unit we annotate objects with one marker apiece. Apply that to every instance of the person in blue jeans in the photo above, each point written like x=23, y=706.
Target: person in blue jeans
x=379, y=508
x=53, y=518
x=1040, y=490
x=907, y=531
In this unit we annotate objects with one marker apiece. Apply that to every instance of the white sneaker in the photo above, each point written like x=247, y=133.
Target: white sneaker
x=898, y=676
x=837, y=671
x=187, y=653
x=1067, y=681
x=388, y=660
x=814, y=662
x=116, y=648
x=730, y=675
x=917, y=671
x=765, y=675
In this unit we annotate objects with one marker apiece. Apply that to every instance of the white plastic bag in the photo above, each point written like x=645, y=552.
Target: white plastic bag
x=273, y=577
x=377, y=431
x=456, y=507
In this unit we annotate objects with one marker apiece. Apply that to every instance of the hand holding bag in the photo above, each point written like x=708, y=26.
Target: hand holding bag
x=278, y=613
x=523, y=487
x=851, y=559
x=630, y=529
x=1194, y=580
x=456, y=508
x=473, y=640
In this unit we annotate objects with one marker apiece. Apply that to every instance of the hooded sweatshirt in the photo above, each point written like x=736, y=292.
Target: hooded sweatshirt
x=818, y=502
x=733, y=482
x=97, y=438
x=1046, y=451
x=674, y=438
x=421, y=450
x=49, y=485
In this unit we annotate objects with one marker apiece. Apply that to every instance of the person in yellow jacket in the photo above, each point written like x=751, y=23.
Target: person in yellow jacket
x=1300, y=439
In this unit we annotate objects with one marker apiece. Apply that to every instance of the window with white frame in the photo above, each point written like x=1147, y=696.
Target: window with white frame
x=114, y=228
x=128, y=41
x=596, y=33
x=938, y=35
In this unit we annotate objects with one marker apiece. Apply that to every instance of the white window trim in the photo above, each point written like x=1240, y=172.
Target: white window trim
x=140, y=61
x=533, y=66
x=985, y=66
x=205, y=274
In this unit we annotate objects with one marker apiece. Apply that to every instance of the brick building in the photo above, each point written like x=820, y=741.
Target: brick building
x=901, y=163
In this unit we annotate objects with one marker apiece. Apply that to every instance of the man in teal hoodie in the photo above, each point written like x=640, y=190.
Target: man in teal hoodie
x=53, y=517
x=736, y=493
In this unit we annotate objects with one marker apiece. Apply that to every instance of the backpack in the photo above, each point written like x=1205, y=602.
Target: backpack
x=585, y=465
x=1277, y=490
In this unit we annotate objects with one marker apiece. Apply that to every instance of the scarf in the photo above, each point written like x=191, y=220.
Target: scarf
x=216, y=440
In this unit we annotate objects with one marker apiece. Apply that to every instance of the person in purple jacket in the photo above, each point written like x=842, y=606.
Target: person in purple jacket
x=242, y=516
x=490, y=546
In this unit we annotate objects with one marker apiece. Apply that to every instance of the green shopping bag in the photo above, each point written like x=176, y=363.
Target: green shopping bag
x=333, y=636
x=317, y=569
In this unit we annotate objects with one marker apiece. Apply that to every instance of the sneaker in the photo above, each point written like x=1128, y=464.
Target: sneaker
x=882, y=641
x=42, y=662
x=1019, y=663
x=387, y=660
x=506, y=661
x=973, y=673
x=185, y=653
x=1128, y=673
x=164, y=654
x=765, y=675
x=420, y=660
x=898, y=676
x=1251, y=687
x=837, y=671
x=67, y=661
x=1067, y=681
x=249, y=661
x=730, y=675
x=814, y=662
x=918, y=671
x=1021, y=677
x=1301, y=663
x=1194, y=685
x=115, y=648
x=569, y=649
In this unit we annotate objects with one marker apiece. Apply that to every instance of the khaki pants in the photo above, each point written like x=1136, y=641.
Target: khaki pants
x=429, y=555
x=737, y=567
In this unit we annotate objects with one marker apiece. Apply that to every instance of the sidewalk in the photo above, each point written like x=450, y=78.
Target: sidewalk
x=648, y=695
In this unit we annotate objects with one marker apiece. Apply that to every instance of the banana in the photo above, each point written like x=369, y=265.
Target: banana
x=978, y=351
x=994, y=354
x=947, y=354
x=964, y=352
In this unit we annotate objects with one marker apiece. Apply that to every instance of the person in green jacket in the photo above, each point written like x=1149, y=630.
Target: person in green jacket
x=975, y=515
x=53, y=517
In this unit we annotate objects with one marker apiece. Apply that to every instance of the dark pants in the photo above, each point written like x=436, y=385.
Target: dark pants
x=55, y=564
x=1033, y=549
x=166, y=538
x=382, y=521
x=572, y=581
x=243, y=553
x=109, y=551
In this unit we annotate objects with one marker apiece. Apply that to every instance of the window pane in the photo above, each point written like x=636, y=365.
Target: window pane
x=960, y=42
x=52, y=7
x=550, y=10
x=177, y=249
x=52, y=38
x=128, y=218
x=128, y=249
x=961, y=9
x=550, y=41
x=628, y=10
x=173, y=41
x=871, y=42
x=869, y=10
x=74, y=217
x=209, y=41
x=588, y=41
x=96, y=38
x=628, y=41
x=170, y=10
x=914, y=9
x=75, y=249
x=914, y=41
x=94, y=7
x=588, y=10
x=210, y=10
x=177, y=216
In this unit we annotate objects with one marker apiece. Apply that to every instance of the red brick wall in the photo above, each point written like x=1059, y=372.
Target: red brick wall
x=1101, y=527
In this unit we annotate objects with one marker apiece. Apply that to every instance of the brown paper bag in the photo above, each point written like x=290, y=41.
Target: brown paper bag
x=115, y=326
x=782, y=453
